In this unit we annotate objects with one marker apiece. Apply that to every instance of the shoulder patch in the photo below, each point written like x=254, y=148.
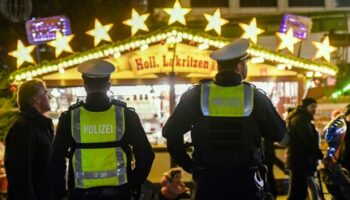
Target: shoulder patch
x=76, y=105
x=118, y=103
x=131, y=109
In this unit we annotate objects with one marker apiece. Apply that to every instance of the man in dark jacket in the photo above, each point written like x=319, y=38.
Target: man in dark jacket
x=28, y=144
x=303, y=150
x=97, y=137
x=227, y=118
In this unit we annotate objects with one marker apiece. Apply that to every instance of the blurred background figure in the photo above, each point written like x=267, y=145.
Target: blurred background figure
x=173, y=187
x=303, y=151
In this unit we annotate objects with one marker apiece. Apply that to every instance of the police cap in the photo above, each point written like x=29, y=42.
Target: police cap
x=234, y=50
x=96, y=68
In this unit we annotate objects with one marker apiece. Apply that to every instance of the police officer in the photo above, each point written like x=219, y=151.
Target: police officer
x=227, y=118
x=97, y=137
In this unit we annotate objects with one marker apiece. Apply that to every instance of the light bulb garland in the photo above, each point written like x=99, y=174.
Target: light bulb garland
x=181, y=35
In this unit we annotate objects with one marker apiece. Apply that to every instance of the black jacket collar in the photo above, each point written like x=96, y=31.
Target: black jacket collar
x=227, y=78
x=37, y=117
x=97, y=101
x=302, y=111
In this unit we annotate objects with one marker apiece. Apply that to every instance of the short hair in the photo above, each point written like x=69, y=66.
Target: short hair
x=171, y=173
x=96, y=84
x=307, y=101
x=27, y=90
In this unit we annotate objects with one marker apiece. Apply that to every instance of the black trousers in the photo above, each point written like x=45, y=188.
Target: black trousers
x=298, y=184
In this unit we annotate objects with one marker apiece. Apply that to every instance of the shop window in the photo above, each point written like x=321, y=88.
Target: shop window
x=342, y=3
x=209, y=3
x=258, y=3
x=306, y=3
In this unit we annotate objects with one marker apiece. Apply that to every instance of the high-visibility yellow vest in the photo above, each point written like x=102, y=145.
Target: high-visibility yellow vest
x=219, y=101
x=101, y=165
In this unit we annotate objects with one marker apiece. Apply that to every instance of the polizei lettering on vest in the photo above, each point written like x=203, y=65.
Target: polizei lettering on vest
x=98, y=129
x=233, y=102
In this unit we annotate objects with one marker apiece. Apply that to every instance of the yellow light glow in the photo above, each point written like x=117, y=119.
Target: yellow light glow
x=22, y=53
x=177, y=13
x=324, y=49
x=61, y=43
x=100, y=32
x=137, y=22
x=287, y=40
x=251, y=31
x=215, y=22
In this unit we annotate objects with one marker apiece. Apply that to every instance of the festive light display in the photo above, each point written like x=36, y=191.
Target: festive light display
x=137, y=22
x=215, y=22
x=100, y=32
x=287, y=40
x=177, y=13
x=324, y=49
x=251, y=31
x=22, y=53
x=180, y=35
x=61, y=43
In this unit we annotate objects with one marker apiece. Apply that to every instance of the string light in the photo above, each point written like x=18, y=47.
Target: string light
x=100, y=32
x=251, y=31
x=22, y=53
x=324, y=49
x=61, y=43
x=287, y=40
x=177, y=13
x=215, y=22
x=137, y=22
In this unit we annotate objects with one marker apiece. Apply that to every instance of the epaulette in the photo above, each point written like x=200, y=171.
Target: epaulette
x=205, y=80
x=254, y=86
x=118, y=103
x=131, y=109
x=76, y=105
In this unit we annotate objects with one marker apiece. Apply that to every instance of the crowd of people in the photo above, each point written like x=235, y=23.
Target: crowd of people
x=110, y=156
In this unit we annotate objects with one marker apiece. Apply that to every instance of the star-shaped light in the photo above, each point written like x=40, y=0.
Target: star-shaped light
x=137, y=22
x=177, y=13
x=22, y=53
x=324, y=49
x=100, y=32
x=215, y=22
x=287, y=40
x=251, y=31
x=61, y=43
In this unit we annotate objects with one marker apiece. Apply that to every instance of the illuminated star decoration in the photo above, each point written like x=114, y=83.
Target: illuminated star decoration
x=287, y=40
x=251, y=31
x=100, y=32
x=324, y=49
x=137, y=22
x=61, y=43
x=177, y=13
x=22, y=53
x=215, y=22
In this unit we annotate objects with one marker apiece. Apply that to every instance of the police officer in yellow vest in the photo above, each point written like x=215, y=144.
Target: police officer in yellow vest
x=227, y=118
x=97, y=137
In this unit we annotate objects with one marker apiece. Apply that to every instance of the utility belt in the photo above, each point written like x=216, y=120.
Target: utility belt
x=121, y=192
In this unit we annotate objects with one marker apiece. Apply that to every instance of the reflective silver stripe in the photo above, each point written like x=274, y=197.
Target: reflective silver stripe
x=77, y=153
x=102, y=174
x=121, y=165
x=248, y=100
x=119, y=116
x=205, y=98
x=76, y=124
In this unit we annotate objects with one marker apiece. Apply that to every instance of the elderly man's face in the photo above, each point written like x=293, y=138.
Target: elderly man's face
x=41, y=100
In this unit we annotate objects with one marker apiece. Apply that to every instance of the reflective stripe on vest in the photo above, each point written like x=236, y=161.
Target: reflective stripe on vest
x=218, y=101
x=96, y=167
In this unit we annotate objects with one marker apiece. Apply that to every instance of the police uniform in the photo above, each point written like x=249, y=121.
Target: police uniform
x=97, y=137
x=227, y=119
